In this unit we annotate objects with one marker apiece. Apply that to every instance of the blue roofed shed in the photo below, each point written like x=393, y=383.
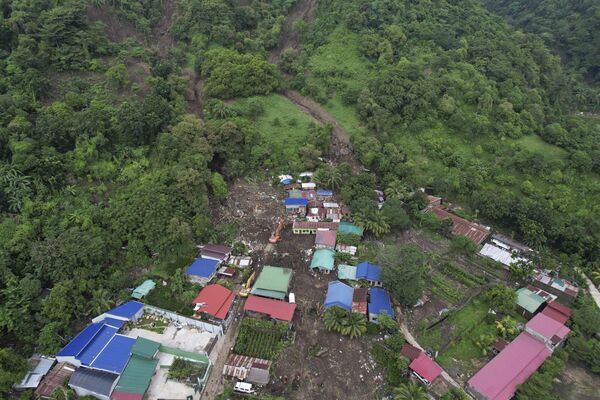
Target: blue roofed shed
x=202, y=270
x=324, y=193
x=290, y=201
x=369, y=272
x=350, y=228
x=379, y=301
x=339, y=294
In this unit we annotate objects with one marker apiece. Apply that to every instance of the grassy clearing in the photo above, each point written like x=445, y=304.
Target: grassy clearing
x=464, y=327
x=536, y=144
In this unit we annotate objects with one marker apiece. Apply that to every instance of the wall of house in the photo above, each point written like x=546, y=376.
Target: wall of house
x=184, y=320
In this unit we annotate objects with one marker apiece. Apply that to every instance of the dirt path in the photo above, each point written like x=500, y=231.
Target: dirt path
x=303, y=10
x=592, y=288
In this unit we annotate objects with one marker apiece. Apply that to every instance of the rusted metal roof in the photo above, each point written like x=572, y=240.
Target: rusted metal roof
x=473, y=231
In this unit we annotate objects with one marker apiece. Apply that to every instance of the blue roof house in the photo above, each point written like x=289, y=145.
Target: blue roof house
x=295, y=205
x=379, y=302
x=202, y=270
x=369, y=272
x=324, y=194
x=339, y=294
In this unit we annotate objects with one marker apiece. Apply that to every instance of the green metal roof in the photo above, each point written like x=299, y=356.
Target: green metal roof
x=273, y=279
x=349, y=227
x=528, y=300
x=143, y=289
x=323, y=259
x=295, y=194
x=347, y=272
x=145, y=348
x=137, y=375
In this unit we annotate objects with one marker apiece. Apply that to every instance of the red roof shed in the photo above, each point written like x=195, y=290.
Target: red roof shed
x=359, y=300
x=325, y=239
x=558, y=312
x=409, y=351
x=215, y=300
x=275, y=309
x=425, y=367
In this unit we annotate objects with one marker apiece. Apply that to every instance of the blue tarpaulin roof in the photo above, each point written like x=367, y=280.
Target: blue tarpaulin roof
x=290, y=201
x=203, y=267
x=115, y=355
x=324, y=192
x=339, y=294
x=379, y=300
x=78, y=343
x=368, y=271
x=126, y=310
x=96, y=345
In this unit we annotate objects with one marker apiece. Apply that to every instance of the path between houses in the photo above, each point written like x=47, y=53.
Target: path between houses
x=214, y=386
x=412, y=341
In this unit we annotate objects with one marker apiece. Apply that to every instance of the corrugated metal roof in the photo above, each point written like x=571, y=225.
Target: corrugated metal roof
x=339, y=294
x=379, y=301
x=291, y=201
x=238, y=366
x=215, y=300
x=368, y=271
x=93, y=380
x=499, y=254
x=145, y=348
x=114, y=356
x=203, y=267
x=528, y=300
x=95, y=346
x=325, y=238
x=347, y=272
x=276, y=309
x=359, y=300
x=315, y=225
x=323, y=259
x=475, y=232
x=54, y=379
x=426, y=367
x=137, y=375
x=76, y=345
x=273, y=279
x=126, y=310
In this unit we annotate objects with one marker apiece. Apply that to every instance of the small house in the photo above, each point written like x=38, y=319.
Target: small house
x=547, y=330
x=324, y=194
x=461, y=227
x=347, y=272
x=93, y=382
x=325, y=240
x=310, y=228
x=566, y=290
x=249, y=369
x=295, y=206
x=292, y=186
x=409, y=351
x=273, y=282
x=295, y=194
x=339, y=295
x=359, y=301
x=346, y=249
x=379, y=302
x=39, y=366
x=202, y=270
x=369, y=272
x=425, y=369
x=240, y=261
x=558, y=312
x=529, y=302
x=323, y=259
x=309, y=186
x=226, y=272
x=54, y=380
x=310, y=195
x=286, y=179
x=217, y=252
x=214, y=302
x=499, y=345
x=274, y=309
x=350, y=228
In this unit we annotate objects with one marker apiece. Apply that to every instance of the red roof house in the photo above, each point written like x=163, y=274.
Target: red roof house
x=498, y=379
x=409, y=351
x=425, y=368
x=275, y=309
x=461, y=227
x=558, y=312
x=325, y=239
x=359, y=300
x=547, y=329
x=214, y=300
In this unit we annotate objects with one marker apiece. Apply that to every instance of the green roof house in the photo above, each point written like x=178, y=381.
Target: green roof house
x=528, y=301
x=273, y=282
x=145, y=348
x=349, y=227
x=135, y=379
x=143, y=289
x=347, y=272
x=323, y=259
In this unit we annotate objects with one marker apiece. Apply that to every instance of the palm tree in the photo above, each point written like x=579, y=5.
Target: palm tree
x=373, y=221
x=333, y=317
x=385, y=321
x=397, y=189
x=354, y=325
x=484, y=342
x=507, y=327
x=410, y=391
x=100, y=301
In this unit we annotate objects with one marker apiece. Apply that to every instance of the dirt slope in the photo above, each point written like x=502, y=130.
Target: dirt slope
x=303, y=10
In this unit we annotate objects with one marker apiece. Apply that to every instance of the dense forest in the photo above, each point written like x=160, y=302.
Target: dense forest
x=116, y=141
x=571, y=28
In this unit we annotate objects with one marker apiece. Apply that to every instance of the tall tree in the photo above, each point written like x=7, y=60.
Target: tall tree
x=403, y=271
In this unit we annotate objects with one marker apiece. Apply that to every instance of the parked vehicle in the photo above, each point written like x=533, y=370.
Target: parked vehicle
x=244, y=387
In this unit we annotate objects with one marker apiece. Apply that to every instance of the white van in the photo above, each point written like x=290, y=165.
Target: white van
x=244, y=387
x=292, y=298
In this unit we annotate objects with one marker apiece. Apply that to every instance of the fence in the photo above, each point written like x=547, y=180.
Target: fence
x=205, y=326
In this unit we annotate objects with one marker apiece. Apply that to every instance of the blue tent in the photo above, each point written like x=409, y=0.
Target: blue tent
x=203, y=267
x=379, y=301
x=290, y=201
x=339, y=294
x=368, y=271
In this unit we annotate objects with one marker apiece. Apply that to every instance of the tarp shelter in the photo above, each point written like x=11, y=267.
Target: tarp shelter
x=91, y=382
x=427, y=369
x=347, y=272
x=214, y=300
x=202, y=268
x=379, y=301
x=339, y=294
x=272, y=282
x=529, y=301
x=143, y=289
x=369, y=272
x=558, y=312
x=325, y=239
x=323, y=259
x=136, y=377
x=350, y=228
x=276, y=309
x=499, y=378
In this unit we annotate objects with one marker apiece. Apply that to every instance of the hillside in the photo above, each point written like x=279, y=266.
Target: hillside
x=125, y=127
